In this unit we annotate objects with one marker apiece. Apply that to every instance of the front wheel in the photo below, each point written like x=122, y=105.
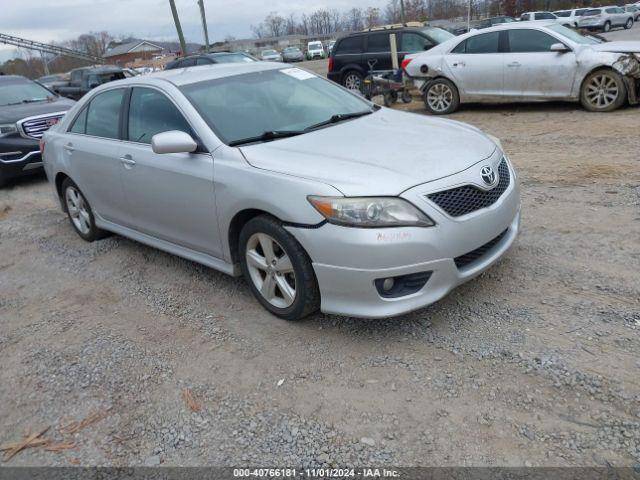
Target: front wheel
x=441, y=97
x=277, y=269
x=603, y=91
x=607, y=27
x=629, y=24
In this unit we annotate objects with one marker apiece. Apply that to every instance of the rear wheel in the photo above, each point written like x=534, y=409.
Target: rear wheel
x=629, y=24
x=352, y=80
x=603, y=91
x=80, y=212
x=277, y=269
x=441, y=97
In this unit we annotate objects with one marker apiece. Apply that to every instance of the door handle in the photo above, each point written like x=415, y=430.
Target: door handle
x=127, y=161
x=513, y=64
x=68, y=147
x=459, y=64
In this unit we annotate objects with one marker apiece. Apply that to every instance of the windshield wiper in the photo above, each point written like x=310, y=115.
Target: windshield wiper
x=268, y=135
x=339, y=117
x=29, y=100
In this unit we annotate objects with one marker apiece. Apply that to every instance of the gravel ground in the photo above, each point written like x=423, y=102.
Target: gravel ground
x=533, y=363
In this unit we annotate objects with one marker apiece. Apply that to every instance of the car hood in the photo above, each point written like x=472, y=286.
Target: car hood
x=13, y=113
x=621, y=47
x=384, y=153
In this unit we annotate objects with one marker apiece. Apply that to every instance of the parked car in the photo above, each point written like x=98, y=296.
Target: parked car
x=305, y=202
x=270, y=56
x=27, y=110
x=570, y=17
x=87, y=78
x=315, y=50
x=353, y=54
x=292, y=54
x=210, y=59
x=533, y=16
x=330, y=45
x=53, y=81
x=634, y=10
x=490, y=22
x=530, y=61
x=605, y=19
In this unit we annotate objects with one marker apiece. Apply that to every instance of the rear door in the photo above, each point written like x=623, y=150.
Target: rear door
x=170, y=196
x=532, y=70
x=476, y=66
x=92, y=147
x=378, y=51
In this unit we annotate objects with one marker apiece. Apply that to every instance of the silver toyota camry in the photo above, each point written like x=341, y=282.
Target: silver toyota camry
x=320, y=199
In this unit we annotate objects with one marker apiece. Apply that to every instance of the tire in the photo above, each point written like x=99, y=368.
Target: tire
x=441, y=97
x=606, y=27
x=352, y=80
x=406, y=96
x=629, y=24
x=596, y=90
x=390, y=98
x=83, y=223
x=291, y=291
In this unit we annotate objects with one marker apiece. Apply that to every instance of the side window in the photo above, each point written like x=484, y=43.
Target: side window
x=485, y=43
x=610, y=10
x=545, y=16
x=460, y=48
x=412, y=42
x=188, y=62
x=529, y=41
x=524, y=17
x=80, y=123
x=103, y=117
x=76, y=76
x=349, y=45
x=378, y=42
x=151, y=112
x=203, y=61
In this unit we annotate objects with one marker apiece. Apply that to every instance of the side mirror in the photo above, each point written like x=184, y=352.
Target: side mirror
x=559, y=47
x=173, y=141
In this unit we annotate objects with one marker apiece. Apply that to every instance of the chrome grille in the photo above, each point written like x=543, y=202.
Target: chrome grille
x=466, y=199
x=34, y=127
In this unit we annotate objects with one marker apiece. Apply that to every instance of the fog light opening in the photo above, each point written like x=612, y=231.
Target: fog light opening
x=387, y=284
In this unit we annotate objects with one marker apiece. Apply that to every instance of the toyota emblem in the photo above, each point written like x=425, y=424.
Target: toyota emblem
x=488, y=175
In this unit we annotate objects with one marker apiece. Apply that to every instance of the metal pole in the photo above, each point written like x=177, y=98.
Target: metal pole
x=44, y=63
x=204, y=24
x=469, y=17
x=174, y=12
x=402, y=11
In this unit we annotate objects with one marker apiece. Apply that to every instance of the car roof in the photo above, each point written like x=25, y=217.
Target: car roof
x=7, y=78
x=185, y=76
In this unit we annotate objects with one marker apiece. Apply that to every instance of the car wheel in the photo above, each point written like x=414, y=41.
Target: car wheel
x=441, y=97
x=80, y=213
x=603, y=91
x=629, y=24
x=352, y=80
x=607, y=26
x=277, y=269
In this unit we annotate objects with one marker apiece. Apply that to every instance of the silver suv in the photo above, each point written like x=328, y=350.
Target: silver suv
x=318, y=197
x=606, y=18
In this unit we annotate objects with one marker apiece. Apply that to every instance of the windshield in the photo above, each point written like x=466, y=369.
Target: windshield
x=233, y=58
x=291, y=50
x=437, y=34
x=23, y=91
x=291, y=99
x=269, y=52
x=573, y=35
x=315, y=46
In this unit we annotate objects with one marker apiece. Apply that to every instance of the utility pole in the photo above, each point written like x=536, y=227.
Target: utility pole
x=204, y=24
x=402, y=19
x=469, y=17
x=174, y=12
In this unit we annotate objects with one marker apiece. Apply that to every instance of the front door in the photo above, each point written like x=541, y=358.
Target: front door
x=170, y=196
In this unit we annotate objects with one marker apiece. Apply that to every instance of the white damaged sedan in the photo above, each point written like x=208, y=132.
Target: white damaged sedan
x=527, y=61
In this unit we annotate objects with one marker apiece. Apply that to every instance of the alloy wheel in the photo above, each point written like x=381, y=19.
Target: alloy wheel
x=271, y=270
x=353, y=82
x=439, y=97
x=78, y=210
x=602, y=91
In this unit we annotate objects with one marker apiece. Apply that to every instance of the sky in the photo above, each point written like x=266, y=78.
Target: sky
x=59, y=20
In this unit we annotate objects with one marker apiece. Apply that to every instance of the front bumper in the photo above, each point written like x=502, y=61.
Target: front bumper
x=347, y=261
x=19, y=156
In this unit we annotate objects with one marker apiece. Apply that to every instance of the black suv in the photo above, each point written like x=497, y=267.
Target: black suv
x=352, y=55
x=209, y=59
x=27, y=110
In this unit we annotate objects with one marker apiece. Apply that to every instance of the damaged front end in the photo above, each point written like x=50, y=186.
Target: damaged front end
x=628, y=65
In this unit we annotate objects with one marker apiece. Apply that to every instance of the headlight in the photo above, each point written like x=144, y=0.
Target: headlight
x=8, y=129
x=370, y=212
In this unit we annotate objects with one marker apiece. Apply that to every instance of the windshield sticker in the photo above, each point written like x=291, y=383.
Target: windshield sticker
x=297, y=73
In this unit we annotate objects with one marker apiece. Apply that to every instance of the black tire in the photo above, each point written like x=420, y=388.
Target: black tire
x=606, y=27
x=94, y=233
x=390, y=98
x=307, y=294
x=406, y=96
x=351, y=76
x=621, y=88
x=434, y=86
x=629, y=24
